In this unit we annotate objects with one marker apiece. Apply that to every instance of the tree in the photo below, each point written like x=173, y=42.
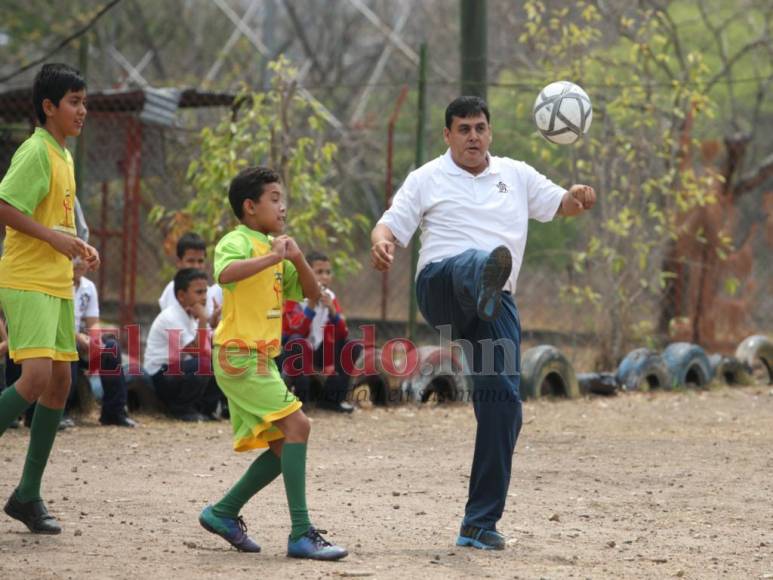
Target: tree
x=647, y=85
x=281, y=130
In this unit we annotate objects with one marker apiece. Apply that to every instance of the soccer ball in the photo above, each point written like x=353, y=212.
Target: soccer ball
x=563, y=112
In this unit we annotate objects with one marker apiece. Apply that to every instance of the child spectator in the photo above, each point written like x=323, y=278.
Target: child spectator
x=188, y=396
x=322, y=324
x=192, y=253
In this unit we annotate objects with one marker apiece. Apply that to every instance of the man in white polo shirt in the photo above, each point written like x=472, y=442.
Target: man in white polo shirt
x=473, y=209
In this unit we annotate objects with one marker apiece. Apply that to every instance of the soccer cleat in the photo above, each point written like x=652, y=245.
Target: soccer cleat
x=32, y=514
x=232, y=530
x=313, y=546
x=496, y=271
x=480, y=538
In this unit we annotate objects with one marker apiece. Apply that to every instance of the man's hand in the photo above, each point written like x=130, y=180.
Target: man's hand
x=217, y=310
x=92, y=258
x=578, y=199
x=70, y=246
x=382, y=254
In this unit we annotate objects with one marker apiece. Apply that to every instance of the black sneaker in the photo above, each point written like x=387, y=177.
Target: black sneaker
x=480, y=538
x=118, y=421
x=495, y=273
x=32, y=514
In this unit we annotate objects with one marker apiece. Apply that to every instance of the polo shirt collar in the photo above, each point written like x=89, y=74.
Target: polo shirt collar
x=450, y=166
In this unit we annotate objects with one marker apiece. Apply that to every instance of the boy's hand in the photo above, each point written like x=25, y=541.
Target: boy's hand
x=279, y=246
x=199, y=311
x=70, y=246
x=325, y=299
x=293, y=250
x=92, y=258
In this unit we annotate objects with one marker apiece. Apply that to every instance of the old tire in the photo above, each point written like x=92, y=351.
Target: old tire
x=597, y=384
x=643, y=370
x=757, y=353
x=546, y=372
x=439, y=377
x=688, y=364
x=729, y=370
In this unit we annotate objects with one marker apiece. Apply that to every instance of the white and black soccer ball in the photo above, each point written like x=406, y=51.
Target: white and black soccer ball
x=563, y=112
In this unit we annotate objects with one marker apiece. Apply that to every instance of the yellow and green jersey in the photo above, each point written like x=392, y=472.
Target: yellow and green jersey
x=41, y=184
x=252, y=308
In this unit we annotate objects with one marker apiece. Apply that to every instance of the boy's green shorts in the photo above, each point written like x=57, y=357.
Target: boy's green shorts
x=39, y=325
x=257, y=395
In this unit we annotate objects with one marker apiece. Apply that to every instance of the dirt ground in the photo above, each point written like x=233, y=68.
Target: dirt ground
x=636, y=486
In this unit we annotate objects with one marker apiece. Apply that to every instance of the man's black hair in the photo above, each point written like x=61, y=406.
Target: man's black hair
x=249, y=184
x=190, y=241
x=184, y=277
x=52, y=82
x=463, y=107
x=315, y=256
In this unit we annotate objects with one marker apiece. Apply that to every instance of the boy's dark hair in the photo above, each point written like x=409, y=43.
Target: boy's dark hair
x=190, y=241
x=315, y=256
x=249, y=184
x=463, y=107
x=52, y=82
x=184, y=277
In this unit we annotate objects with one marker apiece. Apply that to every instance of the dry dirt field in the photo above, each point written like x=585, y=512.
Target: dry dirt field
x=636, y=486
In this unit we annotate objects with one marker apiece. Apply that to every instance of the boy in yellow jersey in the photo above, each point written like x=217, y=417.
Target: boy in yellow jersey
x=37, y=201
x=257, y=272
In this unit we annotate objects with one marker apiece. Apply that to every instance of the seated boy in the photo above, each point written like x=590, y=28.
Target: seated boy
x=187, y=395
x=322, y=324
x=114, y=390
x=192, y=253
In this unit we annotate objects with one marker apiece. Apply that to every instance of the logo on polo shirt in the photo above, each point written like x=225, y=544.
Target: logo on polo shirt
x=502, y=187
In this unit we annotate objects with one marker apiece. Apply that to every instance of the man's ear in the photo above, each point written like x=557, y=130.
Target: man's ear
x=446, y=135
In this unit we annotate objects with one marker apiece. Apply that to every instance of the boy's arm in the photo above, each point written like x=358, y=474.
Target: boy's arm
x=341, y=329
x=241, y=269
x=296, y=321
x=70, y=246
x=306, y=277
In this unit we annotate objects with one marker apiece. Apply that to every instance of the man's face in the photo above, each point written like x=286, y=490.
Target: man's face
x=192, y=259
x=322, y=272
x=195, y=294
x=69, y=115
x=469, y=139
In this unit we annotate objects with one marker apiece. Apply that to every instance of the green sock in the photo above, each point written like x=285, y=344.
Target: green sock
x=294, y=474
x=45, y=423
x=12, y=404
x=263, y=471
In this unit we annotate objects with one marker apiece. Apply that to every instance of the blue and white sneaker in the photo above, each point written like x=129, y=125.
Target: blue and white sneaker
x=232, y=530
x=313, y=546
x=495, y=273
x=480, y=538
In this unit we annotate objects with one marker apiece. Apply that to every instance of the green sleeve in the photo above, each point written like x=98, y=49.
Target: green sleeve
x=291, y=286
x=233, y=246
x=28, y=179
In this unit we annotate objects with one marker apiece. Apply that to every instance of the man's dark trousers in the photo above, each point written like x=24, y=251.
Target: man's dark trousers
x=447, y=294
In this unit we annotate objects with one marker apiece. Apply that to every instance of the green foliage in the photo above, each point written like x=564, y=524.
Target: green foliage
x=643, y=88
x=281, y=130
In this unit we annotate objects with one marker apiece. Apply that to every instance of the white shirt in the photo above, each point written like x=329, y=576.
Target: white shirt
x=321, y=318
x=214, y=294
x=173, y=317
x=458, y=211
x=86, y=303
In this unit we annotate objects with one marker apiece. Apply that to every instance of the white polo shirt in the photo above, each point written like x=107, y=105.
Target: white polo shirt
x=157, y=346
x=457, y=211
x=86, y=303
x=214, y=295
